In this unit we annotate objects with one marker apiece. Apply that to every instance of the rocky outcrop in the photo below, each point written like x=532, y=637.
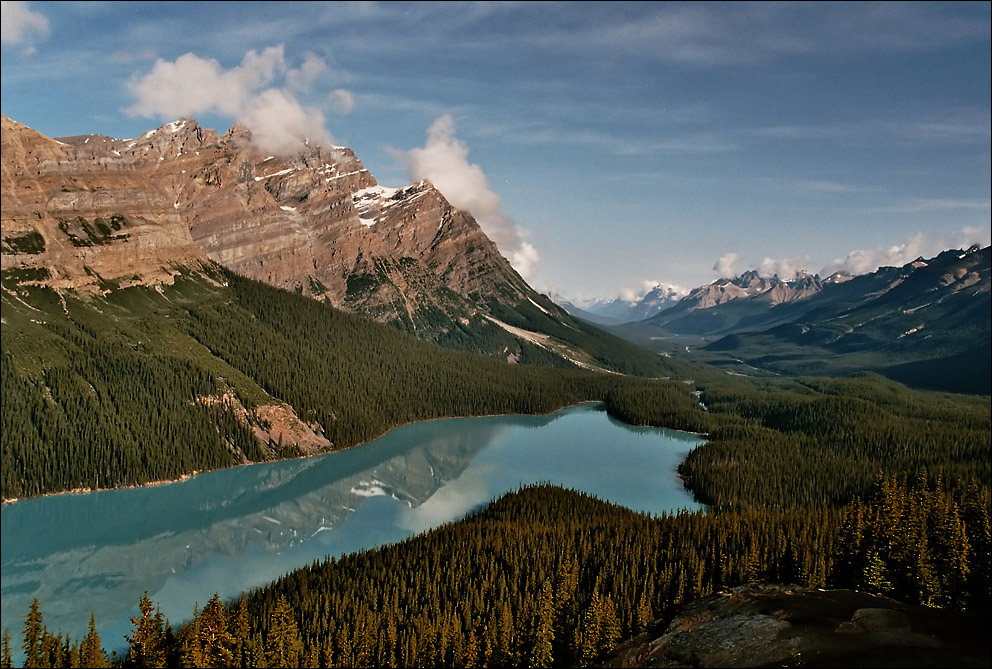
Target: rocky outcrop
x=90, y=212
x=768, y=625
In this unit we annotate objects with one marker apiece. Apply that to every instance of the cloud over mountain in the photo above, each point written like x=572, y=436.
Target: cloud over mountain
x=726, y=265
x=443, y=160
x=861, y=261
x=248, y=93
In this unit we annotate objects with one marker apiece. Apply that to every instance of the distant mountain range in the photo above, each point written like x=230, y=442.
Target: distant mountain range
x=926, y=323
x=620, y=310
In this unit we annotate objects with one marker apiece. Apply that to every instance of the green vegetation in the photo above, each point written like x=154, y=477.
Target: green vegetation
x=810, y=442
x=570, y=334
x=925, y=325
x=17, y=275
x=31, y=243
x=96, y=233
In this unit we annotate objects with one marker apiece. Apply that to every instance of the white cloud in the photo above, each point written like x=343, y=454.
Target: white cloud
x=974, y=234
x=278, y=122
x=785, y=268
x=193, y=85
x=443, y=160
x=341, y=101
x=864, y=261
x=637, y=294
x=19, y=24
x=725, y=266
x=301, y=78
x=634, y=294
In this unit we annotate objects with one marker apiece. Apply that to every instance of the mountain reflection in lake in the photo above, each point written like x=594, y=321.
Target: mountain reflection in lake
x=235, y=529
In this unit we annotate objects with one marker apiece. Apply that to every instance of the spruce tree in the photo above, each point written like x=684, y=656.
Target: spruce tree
x=34, y=632
x=283, y=647
x=147, y=639
x=91, y=650
x=6, y=656
x=544, y=629
x=216, y=642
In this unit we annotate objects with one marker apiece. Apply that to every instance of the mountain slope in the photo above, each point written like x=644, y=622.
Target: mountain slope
x=156, y=382
x=94, y=213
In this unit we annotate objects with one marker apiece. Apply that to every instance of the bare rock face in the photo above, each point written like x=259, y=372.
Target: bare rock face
x=72, y=219
x=90, y=210
x=768, y=625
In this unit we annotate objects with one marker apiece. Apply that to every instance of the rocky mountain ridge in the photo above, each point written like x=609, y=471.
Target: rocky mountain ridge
x=771, y=290
x=91, y=211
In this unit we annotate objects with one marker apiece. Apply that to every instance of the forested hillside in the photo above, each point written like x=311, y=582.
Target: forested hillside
x=219, y=358
x=809, y=442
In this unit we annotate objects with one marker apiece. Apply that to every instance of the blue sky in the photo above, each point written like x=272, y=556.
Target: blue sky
x=604, y=146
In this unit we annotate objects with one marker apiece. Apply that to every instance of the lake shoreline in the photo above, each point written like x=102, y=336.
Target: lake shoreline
x=194, y=474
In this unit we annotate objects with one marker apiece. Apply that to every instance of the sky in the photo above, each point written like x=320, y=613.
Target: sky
x=605, y=147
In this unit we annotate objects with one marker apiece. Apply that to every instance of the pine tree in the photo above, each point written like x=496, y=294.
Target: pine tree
x=190, y=650
x=7, y=656
x=610, y=626
x=240, y=629
x=216, y=642
x=52, y=650
x=91, y=650
x=34, y=632
x=283, y=647
x=503, y=628
x=544, y=630
x=644, y=614
x=590, y=629
x=147, y=640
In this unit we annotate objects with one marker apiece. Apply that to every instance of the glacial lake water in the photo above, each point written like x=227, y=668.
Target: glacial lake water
x=232, y=530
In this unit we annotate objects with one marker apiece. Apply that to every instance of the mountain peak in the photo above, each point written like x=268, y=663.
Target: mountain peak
x=97, y=213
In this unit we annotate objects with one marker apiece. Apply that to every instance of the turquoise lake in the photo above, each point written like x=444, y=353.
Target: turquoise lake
x=232, y=530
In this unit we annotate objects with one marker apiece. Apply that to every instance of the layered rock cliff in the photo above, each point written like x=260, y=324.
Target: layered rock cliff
x=750, y=285
x=72, y=219
x=91, y=212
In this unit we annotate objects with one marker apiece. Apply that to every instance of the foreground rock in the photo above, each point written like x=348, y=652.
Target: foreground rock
x=765, y=625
